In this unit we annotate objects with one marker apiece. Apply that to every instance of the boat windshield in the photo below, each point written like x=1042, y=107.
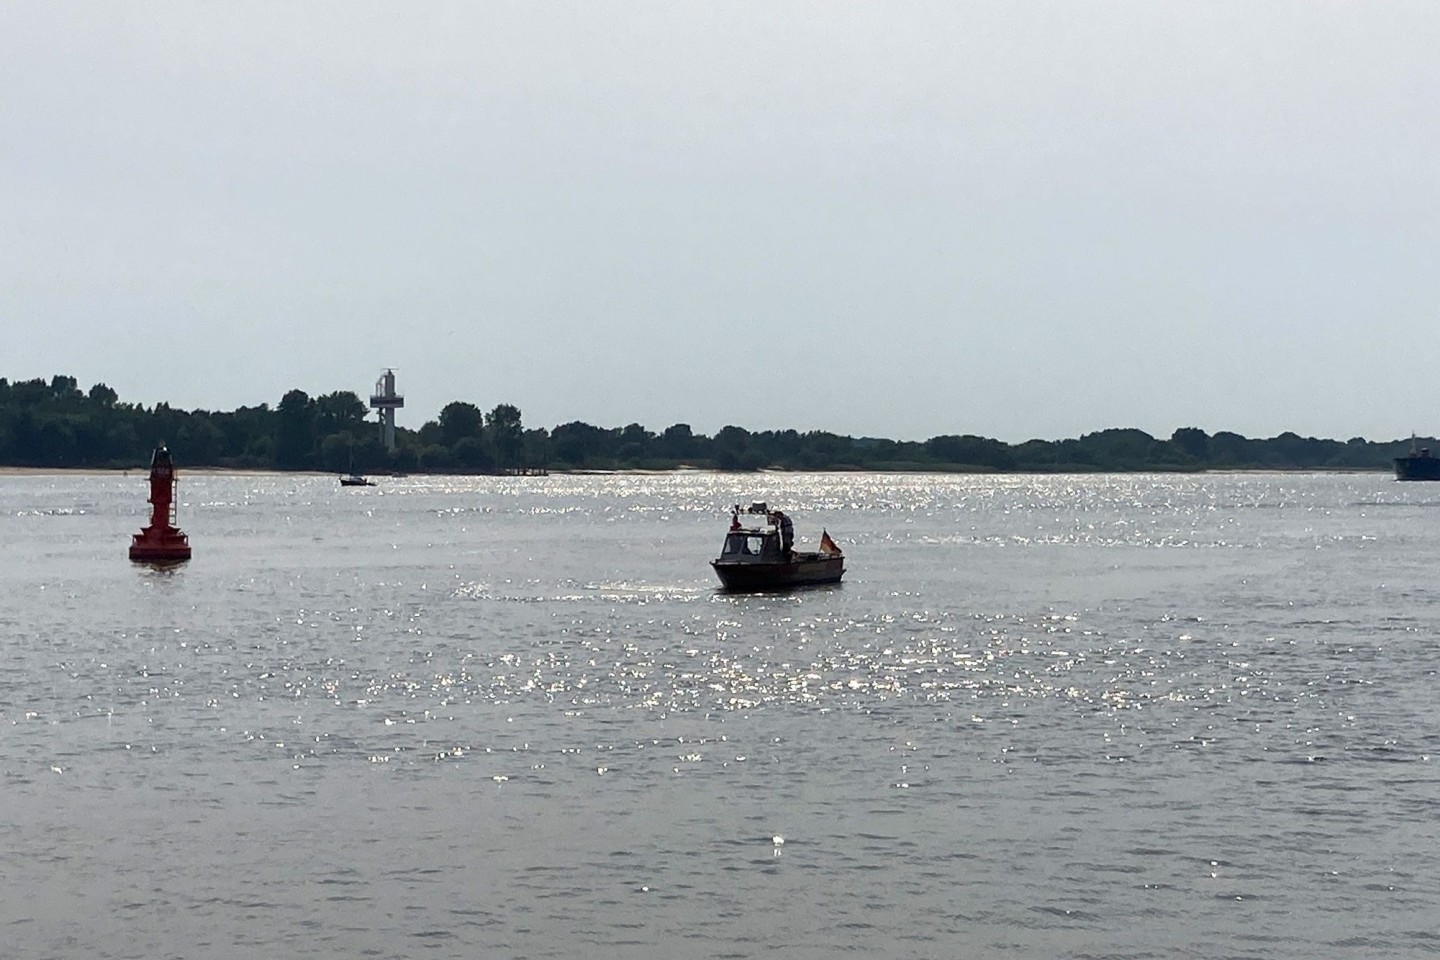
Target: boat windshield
x=743, y=545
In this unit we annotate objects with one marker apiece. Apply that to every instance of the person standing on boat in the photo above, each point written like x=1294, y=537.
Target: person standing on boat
x=787, y=533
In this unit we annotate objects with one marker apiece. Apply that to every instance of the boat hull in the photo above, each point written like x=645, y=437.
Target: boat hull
x=1417, y=468
x=778, y=575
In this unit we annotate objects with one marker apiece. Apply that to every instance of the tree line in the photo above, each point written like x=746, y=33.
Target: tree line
x=56, y=424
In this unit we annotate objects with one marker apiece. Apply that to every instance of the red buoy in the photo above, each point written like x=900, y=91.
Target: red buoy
x=161, y=541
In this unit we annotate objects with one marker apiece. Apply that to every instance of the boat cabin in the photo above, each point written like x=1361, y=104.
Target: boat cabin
x=752, y=546
x=758, y=535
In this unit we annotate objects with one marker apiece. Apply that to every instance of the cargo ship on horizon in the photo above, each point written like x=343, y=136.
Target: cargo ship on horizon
x=1419, y=464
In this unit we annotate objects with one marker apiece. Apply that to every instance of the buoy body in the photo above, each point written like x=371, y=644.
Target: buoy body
x=161, y=541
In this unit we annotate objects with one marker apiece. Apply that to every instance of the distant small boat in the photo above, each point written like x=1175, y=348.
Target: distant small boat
x=355, y=480
x=1420, y=464
x=759, y=554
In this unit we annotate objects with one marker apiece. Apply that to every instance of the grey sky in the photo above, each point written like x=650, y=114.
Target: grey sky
x=889, y=219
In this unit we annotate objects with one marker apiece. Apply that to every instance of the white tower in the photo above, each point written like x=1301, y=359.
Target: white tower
x=386, y=400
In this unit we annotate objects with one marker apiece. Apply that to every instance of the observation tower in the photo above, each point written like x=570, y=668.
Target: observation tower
x=387, y=401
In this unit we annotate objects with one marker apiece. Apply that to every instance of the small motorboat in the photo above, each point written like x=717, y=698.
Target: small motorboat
x=760, y=554
x=355, y=480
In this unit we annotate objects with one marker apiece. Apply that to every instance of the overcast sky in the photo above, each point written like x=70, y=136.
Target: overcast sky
x=886, y=219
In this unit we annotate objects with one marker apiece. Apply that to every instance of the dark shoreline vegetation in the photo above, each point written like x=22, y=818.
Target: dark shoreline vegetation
x=56, y=424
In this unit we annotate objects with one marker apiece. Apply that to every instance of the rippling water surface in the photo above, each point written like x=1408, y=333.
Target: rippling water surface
x=1100, y=716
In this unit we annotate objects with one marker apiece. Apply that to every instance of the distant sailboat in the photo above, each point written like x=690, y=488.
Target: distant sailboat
x=353, y=479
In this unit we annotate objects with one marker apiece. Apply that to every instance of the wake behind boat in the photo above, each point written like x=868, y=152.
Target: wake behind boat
x=759, y=553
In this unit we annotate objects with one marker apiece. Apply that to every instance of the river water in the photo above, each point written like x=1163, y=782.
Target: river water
x=1064, y=716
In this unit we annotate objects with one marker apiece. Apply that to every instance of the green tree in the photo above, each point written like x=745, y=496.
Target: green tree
x=29, y=393
x=404, y=460
x=368, y=452
x=970, y=450
x=1230, y=449
x=197, y=440
x=576, y=442
x=634, y=443
x=677, y=442
x=459, y=420
x=506, y=433
x=339, y=411
x=1120, y=449
x=473, y=453
x=66, y=390
x=435, y=458
x=733, y=450
x=535, y=450
x=1192, y=441
x=295, y=438
x=337, y=452
x=103, y=396
x=58, y=446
